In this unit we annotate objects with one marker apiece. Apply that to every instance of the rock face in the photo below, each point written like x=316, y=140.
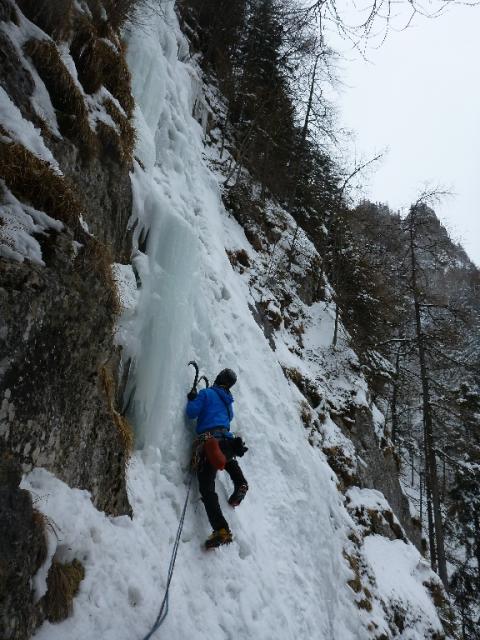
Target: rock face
x=56, y=331
x=57, y=320
x=378, y=468
x=58, y=360
x=22, y=551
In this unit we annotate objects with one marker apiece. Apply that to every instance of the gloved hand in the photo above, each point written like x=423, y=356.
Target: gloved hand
x=191, y=395
x=239, y=448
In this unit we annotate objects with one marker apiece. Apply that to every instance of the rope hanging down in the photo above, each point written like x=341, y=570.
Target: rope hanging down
x=162, y=614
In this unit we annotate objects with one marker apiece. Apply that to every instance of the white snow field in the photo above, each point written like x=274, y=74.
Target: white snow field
x=284, y=577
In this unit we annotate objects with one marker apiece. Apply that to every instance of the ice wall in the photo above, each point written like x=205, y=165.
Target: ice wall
x=286, y=560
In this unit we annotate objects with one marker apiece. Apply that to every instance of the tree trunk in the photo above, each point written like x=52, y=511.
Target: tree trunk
x=393, y=405
x=431, y=475
x=298, y=160
x=335, y=330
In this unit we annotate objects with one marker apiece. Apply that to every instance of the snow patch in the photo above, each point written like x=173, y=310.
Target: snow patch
x=400, y=573
x=23, y=131
x=18, y=224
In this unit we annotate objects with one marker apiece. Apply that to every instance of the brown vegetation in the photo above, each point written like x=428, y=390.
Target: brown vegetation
x=306, y=415
x=63, y=582
x=124, y=428
x=240, y=259
x=98, y=258
x=53, y=16
x=120, y=11
x=127, y=138
x=33, y=181
x=306, y=386
x=72, y=114
x=380, y=521
x=100, y=60
x=343, y=466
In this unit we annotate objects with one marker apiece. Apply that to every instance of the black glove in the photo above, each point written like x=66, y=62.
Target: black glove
x=239, y=448
x=191, y=395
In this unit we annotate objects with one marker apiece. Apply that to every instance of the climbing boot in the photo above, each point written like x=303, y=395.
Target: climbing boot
x=219, y=537
x=238, y=495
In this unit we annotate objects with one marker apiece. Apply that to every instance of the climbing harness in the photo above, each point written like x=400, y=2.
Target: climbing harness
x=199, y=443
x=162, y=614
x=197, y=451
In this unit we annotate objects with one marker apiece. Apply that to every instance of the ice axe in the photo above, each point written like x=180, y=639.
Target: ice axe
x=197, y=378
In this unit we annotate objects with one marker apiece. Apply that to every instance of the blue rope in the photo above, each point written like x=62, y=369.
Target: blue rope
x=162, y=614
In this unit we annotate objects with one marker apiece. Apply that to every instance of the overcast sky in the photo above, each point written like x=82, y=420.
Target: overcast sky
x=419, y=95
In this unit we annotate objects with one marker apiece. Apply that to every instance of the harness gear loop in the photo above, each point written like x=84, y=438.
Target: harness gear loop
x=198, y=451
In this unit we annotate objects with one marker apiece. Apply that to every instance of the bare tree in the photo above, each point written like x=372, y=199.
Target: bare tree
x=376, y=19
x=434, y=511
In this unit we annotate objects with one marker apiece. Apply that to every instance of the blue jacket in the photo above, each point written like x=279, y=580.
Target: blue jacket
x=212, y=407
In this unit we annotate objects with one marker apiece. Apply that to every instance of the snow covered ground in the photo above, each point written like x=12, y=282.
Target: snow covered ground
x=285, y=575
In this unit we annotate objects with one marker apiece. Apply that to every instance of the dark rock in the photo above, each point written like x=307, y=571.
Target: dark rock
x=56, y=327
x=380, y=469
x=15, y=78
x=56, y=332
x=106, y=195
x=22, y=552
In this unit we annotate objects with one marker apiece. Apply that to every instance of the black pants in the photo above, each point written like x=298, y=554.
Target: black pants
x=206, y=483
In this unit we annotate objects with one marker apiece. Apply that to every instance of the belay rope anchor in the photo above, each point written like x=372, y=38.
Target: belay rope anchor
x=163, y=612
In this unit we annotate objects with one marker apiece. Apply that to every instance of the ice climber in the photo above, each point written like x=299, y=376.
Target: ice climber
x=216, y=448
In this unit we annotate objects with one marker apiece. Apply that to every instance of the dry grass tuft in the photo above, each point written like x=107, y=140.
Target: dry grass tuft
x=364, y=604
x=55, y=17
x=41, y=523
x=306, y=415
x=120, y=11
x=63, y=582
x=356, y=582
x=68, y=101
x=123, y=426
x=85, y=51
x=110, y=141
x=32, y=180
x=99, y=258
x=117, y=77
x=239, y=258
x=127, y=137
x=343, y=466
x=305, y=386
x=101, y=61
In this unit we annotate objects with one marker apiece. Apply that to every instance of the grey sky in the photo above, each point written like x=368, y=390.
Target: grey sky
x=419, y=95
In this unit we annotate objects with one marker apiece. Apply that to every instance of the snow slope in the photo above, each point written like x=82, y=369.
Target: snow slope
x=285, y=576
